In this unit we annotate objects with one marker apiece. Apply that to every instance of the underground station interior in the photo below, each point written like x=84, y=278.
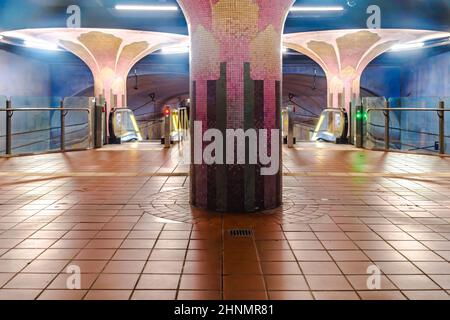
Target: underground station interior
x=202, y=150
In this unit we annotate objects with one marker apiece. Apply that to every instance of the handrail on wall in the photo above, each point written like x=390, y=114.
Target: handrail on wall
x=10, y=112
x=386, y=111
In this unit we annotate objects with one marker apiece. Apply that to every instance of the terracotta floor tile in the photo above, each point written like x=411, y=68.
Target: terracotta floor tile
x=115, y=282
x=199, y=295
x=247, y=255
x=17, y=254
x=381, y=295
x=46, y=266
x=335, y=295
x=434, y=267
x=138, y=244
x=5, y=277
x=290, y=295
x=360, y=282
x=244, y=267
x=62, y=295
x=123, y=252
x=328, y=283
x=243, y=283
x=442, y=280
x=164, y=255
x=132, y=254
x=421, y=256
x=245, y=295
x=95, y=254
x=396, y=267
x=413, y=282
x=427, y=295
x=58, y=254
x=164, y=267
x=339, y=245
x=312, y=255
x=204, y=255
x=158, y=282
x=18, y=294
x=407, y=245
x=60, y=282
x=12, y=265
x=133, y=267
x=154, y=295
x=286, y=283
x=104, y=244
x=30, y=281
x=36, y=244
x=319, y=268
x=201, y=282
x=202, y=267
x=276, y=255
x=108, y=295
x=385, y=255
x=306, y=245
x=355, y=267
x=280, y=268
x=348, y=255
x=89, y=266
x=171, y=244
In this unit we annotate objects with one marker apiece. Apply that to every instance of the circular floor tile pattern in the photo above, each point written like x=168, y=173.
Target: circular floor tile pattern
x=174, y=205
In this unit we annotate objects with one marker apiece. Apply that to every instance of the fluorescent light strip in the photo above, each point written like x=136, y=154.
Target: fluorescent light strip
x=41, y=45
x=175, y=50
x=408, y=46
x=316, y=9
x=145, y=8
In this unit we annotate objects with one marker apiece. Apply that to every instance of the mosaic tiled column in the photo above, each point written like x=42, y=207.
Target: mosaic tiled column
x=109, y=53
x=236, y=84
x=345, y=54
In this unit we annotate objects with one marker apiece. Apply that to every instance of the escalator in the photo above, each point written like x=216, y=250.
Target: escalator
x=123, y=126
x=332, y=127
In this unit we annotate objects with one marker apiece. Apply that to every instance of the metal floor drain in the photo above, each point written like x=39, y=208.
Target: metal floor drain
x=241, y=233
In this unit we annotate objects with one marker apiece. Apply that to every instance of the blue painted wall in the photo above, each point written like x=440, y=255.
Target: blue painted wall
x=382, y=80
x=428, y=77
x=21, y=75
x=68, y=79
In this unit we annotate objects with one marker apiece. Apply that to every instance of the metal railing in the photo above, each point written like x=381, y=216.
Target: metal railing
x=387, y=111
x=9, y=110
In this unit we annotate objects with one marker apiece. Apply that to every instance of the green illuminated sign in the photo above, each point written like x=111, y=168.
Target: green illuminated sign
x=361, y=115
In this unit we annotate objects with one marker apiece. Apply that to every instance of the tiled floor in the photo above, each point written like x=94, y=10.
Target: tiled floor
x=92, y=212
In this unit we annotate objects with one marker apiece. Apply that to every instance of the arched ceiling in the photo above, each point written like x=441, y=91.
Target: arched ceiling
x=309, y=92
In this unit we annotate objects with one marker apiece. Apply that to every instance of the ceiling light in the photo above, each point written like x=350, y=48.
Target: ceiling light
x=175, y=49
x=145, y=8
x=316, y=9
x=407, y=46
x=41, y=45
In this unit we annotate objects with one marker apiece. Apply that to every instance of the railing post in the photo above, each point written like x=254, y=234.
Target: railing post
x=63, y=126
x=290, y=137
x=387, y=122
x=359, y=138
x=167, y=119
x=441, y=114
x=350, y=124
x=9, y=115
